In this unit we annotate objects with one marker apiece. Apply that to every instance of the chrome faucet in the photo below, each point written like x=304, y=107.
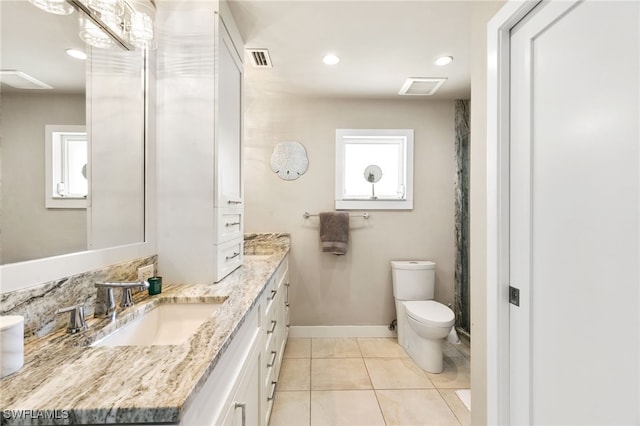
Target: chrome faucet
x=105, y=300
x=77, y=322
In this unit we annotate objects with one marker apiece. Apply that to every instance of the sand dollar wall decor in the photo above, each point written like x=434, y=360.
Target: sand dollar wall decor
x=289, y=160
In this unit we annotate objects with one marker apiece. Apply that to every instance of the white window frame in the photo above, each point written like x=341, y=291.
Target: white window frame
x=55, y=165
x=343, y=137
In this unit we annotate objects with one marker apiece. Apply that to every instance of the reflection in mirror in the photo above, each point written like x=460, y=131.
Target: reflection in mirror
x=66, y=157
x=42, y=85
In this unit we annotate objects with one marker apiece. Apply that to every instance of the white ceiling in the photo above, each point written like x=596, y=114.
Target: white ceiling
x=380, y=43
x=34, y=42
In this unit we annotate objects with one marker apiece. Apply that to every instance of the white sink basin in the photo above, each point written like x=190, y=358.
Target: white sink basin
x=166, y=324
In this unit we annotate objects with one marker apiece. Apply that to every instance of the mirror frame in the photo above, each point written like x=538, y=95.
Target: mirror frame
x=30, y=273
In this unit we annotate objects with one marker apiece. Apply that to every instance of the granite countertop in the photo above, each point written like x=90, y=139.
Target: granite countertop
x=74, y=383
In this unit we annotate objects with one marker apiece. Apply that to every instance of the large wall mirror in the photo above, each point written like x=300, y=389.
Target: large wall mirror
x=43, y=86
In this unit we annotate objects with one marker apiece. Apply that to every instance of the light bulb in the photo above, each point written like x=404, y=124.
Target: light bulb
x=443, y=60
x=74, y=53
x=330, y=59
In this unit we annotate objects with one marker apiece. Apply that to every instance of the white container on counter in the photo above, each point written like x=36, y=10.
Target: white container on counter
x=11, y=344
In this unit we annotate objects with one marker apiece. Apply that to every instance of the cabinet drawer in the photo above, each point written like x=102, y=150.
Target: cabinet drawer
x=228, y=224
x=229, y=256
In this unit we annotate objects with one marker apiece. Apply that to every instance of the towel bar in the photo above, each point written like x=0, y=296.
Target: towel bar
x=365, y=215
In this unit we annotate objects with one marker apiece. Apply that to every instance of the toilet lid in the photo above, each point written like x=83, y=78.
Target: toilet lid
x=430, y=312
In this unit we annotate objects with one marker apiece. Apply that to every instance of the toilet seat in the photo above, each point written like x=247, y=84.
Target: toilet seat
x=430, y=312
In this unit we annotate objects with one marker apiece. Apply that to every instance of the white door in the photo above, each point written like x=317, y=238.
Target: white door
x=574, y=214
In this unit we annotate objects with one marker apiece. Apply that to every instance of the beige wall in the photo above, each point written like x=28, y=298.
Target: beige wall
x=29, y=230
x=354, y=289
x=482, y=13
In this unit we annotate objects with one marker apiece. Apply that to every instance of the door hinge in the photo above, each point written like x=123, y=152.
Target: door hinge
x=514, y=296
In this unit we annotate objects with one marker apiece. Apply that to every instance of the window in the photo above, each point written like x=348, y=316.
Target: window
x=374, y=169
x=67, y=185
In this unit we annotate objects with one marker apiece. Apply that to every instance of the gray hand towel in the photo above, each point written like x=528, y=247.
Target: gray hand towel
x=334, y=232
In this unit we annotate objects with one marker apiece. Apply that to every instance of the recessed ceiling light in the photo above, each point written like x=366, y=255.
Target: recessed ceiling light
x=443, y=60
x=76, y=54
x=331, y=59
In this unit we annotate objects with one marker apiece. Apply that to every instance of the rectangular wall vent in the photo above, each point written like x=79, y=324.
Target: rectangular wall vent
x=421, y=86
x=21, y=80
x=260, y=58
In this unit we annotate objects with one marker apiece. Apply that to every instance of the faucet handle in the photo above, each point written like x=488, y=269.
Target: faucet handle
x=77, y=322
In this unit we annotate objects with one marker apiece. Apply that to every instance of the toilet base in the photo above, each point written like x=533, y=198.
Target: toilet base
x=427, y=353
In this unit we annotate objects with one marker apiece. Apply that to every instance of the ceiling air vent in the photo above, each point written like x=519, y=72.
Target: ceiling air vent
x=260, y=58
x=421, y=86
x=21, y=80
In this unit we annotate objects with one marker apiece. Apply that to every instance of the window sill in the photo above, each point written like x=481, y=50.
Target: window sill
x=374, y=204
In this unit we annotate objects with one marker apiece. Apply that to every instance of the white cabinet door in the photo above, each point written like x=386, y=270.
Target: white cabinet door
x=245, y=406
x=228, y=156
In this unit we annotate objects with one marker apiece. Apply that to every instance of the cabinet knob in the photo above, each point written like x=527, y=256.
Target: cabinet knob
x=273, y=295
x=273, y=390
x=273, y=359
x=243, y=406
x=233, y=256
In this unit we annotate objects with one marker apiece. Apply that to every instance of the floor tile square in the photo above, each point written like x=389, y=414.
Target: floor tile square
x=345, y=408
x=298, y=348
x=381, y=348
x=291, y=408
x=335, y=348
x=339, y=374
x=415, y=407
x=396, y=373
x=295, y=374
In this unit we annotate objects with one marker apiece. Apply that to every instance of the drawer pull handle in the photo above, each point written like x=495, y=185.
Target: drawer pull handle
x=244, y=412
x=231, y=224
x=234, y=201
x=273, y=359
x=273, y=295
x=234, y=256
x=273, y=391
x=273, y=327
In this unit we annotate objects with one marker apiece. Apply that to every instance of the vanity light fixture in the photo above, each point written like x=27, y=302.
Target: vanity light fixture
x=93, y=35
x=330, y=59
x=58, y=7
x=129, y=23
x=443, y=60
x=74, y=53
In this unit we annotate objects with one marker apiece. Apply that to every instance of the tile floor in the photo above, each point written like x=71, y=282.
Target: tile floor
x=369, y=382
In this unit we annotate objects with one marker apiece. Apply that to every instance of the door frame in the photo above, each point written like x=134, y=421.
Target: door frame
x=497, y=244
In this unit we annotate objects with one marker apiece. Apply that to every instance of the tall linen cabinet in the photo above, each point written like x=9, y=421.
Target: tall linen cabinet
x=199, y=156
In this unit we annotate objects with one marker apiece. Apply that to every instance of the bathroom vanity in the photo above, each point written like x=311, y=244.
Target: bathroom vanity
x=225, y=373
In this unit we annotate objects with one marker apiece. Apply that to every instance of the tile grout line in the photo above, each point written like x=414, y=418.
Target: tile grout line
x=310, y=370
x=449, y=405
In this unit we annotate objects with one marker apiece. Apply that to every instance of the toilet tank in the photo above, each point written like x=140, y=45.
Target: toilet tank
x=413, y=279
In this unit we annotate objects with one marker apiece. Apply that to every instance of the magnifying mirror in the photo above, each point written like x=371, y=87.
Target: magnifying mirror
x=373, y=174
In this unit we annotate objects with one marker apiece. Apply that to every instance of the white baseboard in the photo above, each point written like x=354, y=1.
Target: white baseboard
x=341, y=331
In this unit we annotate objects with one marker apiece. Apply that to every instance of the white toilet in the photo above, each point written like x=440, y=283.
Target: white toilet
x=423, y=323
